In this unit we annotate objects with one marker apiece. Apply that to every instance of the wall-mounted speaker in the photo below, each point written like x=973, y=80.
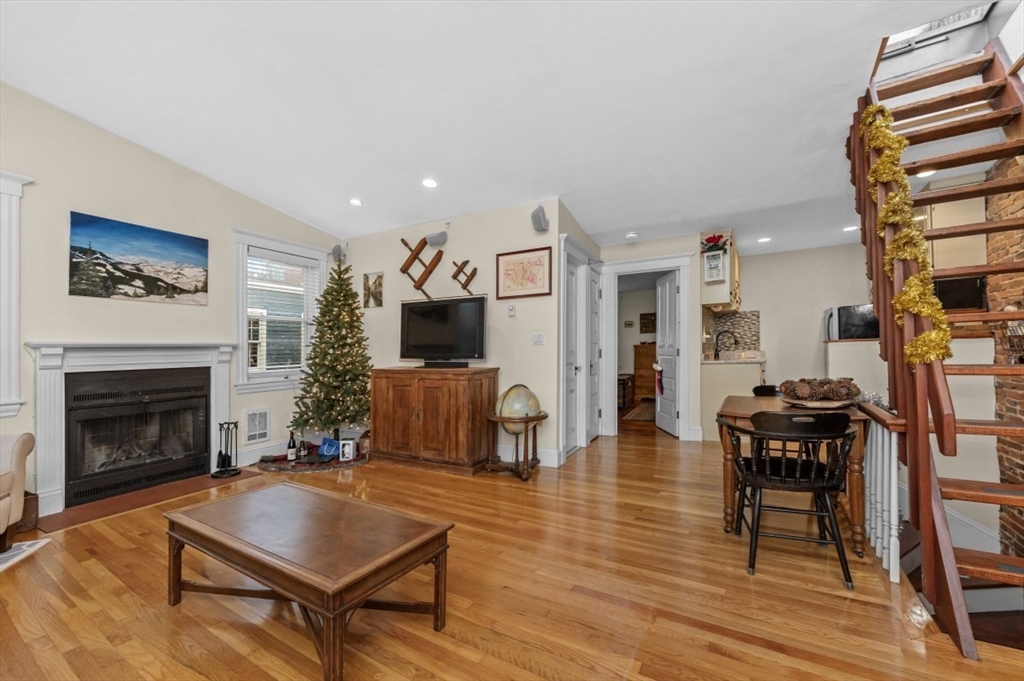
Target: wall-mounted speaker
x=540, y=220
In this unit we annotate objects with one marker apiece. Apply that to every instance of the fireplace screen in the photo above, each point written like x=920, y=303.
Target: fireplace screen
x=129, y=430
x=117, y=442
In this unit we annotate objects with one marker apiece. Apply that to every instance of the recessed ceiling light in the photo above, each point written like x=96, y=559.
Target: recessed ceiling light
x=764, y=240
x=631, y=235
x=926, y=173
x=355, y=202
x=850, y=229
x=429, y=184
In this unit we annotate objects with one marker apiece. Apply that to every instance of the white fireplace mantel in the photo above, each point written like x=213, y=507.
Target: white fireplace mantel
x=54, y=360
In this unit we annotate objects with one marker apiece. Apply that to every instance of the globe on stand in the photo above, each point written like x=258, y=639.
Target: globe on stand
x=517, y=401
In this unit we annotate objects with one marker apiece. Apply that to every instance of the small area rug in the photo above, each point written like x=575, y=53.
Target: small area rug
x=644, y=412
x=122, y=503
x=281, y=464
x=19, y=551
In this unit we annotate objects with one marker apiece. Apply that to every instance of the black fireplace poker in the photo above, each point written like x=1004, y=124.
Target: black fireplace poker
x=228, y=451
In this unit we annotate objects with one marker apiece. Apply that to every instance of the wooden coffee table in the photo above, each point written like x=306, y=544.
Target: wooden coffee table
x=325, y=552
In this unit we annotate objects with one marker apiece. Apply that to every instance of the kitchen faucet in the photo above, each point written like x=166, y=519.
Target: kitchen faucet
x=718, y=338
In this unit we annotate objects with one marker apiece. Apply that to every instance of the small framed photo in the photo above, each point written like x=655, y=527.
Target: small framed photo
x=522, y=274
x=649, y=322
x=347, y=451
x=373, y=289
x=629, y=323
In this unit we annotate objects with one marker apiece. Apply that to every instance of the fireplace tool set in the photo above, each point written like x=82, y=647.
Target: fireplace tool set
x=228, y=450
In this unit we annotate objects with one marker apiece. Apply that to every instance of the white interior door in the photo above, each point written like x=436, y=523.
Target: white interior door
x=667, y=416
x=593, y=352
x=572, y=367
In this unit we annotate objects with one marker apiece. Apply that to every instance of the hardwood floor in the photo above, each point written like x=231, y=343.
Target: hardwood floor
x=613, y=567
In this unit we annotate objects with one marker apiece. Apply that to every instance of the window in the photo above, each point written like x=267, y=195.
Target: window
x=279, y=282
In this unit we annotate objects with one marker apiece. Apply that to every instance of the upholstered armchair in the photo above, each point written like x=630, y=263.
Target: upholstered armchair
x=13, y=452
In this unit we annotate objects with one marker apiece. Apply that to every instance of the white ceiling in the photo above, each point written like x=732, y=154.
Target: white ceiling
x=663, y=118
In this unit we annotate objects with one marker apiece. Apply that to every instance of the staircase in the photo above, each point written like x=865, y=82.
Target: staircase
x=979, y=94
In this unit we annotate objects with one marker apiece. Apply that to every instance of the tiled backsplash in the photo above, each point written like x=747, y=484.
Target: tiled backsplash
x=746, y=326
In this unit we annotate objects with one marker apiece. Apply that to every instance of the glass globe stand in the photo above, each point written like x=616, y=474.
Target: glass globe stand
x=520, y=467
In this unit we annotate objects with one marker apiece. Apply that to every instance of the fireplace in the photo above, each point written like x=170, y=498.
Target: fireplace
x=128, y=430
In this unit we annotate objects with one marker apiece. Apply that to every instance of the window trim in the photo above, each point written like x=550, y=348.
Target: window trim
x=289, y=250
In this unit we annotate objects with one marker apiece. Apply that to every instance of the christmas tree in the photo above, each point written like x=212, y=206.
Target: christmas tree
x=336, y=380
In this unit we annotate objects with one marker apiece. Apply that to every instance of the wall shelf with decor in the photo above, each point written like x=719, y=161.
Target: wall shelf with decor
x=720, y=272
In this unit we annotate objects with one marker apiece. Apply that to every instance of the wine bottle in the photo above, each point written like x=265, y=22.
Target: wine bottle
x=291, y=445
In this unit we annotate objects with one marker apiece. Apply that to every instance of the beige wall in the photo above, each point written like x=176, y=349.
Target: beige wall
x=568, y=225
x=631, y=305
x=792, y=290
x=80, y=167
x=479, y=238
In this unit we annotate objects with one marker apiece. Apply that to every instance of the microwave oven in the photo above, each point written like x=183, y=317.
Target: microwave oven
x=850, y=321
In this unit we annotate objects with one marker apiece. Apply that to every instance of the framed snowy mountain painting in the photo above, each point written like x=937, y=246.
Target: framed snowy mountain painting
x=119, y=260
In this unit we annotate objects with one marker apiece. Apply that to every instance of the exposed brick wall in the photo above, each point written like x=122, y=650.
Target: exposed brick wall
x=1005, y=289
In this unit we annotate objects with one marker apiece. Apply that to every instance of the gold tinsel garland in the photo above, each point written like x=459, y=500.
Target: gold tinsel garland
x=918, y=294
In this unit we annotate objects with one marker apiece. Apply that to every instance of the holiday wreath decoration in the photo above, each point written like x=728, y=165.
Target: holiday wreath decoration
x=918, y=294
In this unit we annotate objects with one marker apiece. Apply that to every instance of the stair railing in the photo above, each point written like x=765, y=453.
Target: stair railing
x=910, y=329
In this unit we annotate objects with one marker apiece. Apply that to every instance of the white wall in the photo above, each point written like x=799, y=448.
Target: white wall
x=479, y=238
x=78, y=166
x=631, y=305
x=792, y=290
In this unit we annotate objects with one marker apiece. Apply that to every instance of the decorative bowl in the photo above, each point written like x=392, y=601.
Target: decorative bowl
x=818, y=404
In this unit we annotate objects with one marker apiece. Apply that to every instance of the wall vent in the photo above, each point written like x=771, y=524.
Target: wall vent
x=257, y=425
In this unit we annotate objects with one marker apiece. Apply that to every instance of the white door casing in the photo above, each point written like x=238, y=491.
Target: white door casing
x=686, y=337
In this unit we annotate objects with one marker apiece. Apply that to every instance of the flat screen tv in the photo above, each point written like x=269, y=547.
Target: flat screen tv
x=446, y=332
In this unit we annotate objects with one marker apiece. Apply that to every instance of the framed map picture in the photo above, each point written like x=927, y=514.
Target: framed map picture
x=522, y=274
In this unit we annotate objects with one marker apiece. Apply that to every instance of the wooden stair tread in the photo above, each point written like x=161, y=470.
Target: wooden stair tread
x=923, y=81
x=965, y=157
x=993, y=566
x=974, y=228
x=949, y=100
x=983, y=317
x=963, y=126
x=983, y=369
x=984, y=427
x=984, y=492
x=968, y=191
x=1006, y=267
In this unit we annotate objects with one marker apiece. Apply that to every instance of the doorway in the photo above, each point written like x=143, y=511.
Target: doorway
x=670, y=277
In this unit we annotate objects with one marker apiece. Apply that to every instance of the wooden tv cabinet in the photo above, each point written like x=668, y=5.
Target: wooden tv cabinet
x=434, y=418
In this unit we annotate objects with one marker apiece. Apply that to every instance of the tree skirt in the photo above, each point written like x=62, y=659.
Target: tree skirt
x=281, y=464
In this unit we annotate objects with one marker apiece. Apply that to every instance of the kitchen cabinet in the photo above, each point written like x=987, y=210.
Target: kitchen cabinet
x=720, y=276
x=433, y=418
x=644, y=357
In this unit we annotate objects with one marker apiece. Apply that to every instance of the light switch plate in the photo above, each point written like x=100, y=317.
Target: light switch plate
x=538, y=339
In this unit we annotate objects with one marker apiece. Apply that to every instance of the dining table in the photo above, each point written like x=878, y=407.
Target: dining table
x=737, y=409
